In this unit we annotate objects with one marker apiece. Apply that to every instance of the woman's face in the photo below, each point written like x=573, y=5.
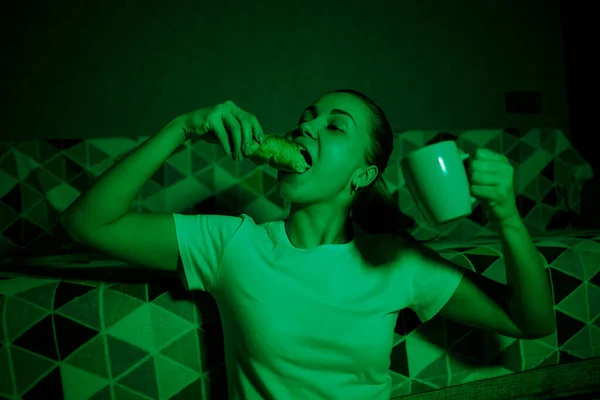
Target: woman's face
x=335, y=131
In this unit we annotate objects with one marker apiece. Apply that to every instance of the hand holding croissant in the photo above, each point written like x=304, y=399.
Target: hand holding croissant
x=228, y=125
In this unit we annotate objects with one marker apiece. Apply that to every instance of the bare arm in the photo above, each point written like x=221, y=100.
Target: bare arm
x=530, y=297
x=101, y=219
x=112, y=195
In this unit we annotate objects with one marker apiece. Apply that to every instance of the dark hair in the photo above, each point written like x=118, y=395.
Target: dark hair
x=373, y=207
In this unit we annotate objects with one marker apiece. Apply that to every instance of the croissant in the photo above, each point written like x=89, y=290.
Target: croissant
x=280, y=153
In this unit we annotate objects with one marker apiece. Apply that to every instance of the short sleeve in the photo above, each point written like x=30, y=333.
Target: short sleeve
x=201, y=240
x=434, y=281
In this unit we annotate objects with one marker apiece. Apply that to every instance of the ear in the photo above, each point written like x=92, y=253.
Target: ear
x=366, y=175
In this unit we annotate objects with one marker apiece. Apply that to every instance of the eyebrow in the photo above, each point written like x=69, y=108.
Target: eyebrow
x=313, y=109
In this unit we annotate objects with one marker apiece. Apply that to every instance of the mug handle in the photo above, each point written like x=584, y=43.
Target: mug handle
x=463, y=156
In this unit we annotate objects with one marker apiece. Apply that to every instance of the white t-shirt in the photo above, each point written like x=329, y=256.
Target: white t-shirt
x=307, y=323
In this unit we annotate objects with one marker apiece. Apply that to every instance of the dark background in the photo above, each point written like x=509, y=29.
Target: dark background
x=109, y=68
x=581, y=71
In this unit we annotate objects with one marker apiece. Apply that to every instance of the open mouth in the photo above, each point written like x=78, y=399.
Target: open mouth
x=307, y=157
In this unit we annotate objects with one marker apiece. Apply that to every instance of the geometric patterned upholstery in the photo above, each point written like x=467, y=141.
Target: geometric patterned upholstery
x=142, y=336
x=40, y=178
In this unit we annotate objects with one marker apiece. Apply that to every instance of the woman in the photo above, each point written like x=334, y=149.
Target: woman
x=309, y=303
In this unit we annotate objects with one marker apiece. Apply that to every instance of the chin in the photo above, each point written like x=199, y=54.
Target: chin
x=288, y=193
x=291, y=193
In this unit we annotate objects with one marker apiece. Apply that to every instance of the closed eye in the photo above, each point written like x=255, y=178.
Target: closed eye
x=335, y=127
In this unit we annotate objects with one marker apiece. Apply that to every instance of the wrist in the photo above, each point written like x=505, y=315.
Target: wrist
x=510, y=223
x=176, y=129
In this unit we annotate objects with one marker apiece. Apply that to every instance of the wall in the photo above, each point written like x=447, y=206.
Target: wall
x=119, y=69
x=580, y=71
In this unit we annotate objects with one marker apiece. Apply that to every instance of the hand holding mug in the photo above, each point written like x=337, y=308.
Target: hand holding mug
x=443, y=190
x=492, y=182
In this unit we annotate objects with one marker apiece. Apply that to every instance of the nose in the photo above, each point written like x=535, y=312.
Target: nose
x=304, y=130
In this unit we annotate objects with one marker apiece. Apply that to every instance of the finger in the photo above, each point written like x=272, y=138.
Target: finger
x=246, y=136
x=489, y=154
x=483, y=165
x=222, y=136
x=257, y=130
x=235, y=134
x=484, y=178
x=484, y=192
x=245, y=122
x=252, y=129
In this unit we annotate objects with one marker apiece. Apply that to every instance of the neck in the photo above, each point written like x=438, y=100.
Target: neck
x=309, y=227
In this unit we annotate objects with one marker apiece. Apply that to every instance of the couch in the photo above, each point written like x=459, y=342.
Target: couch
x=76, y=324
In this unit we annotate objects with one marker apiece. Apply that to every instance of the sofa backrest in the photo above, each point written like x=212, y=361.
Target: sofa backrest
x=41, y=178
